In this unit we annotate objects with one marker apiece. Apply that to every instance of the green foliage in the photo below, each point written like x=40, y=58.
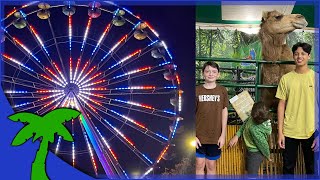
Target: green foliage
x=233, y=44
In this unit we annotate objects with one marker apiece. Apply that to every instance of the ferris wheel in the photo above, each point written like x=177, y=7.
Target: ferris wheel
x=106, y=62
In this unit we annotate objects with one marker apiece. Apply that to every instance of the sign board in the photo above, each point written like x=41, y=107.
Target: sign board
x=242, y=104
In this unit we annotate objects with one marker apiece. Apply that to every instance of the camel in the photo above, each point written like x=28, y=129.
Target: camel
x=274, y=29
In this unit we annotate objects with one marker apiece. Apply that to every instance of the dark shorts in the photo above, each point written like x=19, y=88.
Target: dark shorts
x=208, y=151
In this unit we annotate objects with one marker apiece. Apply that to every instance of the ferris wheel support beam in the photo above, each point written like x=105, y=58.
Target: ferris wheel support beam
x=115, y=163
x=99, y=151
x=118, y=134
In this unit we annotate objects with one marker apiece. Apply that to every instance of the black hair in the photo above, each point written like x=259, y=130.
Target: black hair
x=305, y=46
x=259, y=112
x=212, y=64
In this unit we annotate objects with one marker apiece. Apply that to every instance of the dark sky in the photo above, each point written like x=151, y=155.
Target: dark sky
x=175, y=24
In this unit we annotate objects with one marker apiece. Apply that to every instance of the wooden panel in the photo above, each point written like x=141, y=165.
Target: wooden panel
x=232, y=161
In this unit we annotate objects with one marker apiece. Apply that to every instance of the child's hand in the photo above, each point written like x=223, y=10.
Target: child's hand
x=233, y=141
x=198, y=144
x=281, y=141
x=270, y=160
x=221, y=141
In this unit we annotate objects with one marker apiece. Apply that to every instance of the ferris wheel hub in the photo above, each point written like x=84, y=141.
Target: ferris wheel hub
x=71, y=88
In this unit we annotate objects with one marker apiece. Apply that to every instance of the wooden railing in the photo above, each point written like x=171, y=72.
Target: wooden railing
x=232, y=161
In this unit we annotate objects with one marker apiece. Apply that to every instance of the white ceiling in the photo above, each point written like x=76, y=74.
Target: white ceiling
x=252, y=10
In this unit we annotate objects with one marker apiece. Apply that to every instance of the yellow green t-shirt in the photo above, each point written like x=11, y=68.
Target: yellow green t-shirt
x=298, y=90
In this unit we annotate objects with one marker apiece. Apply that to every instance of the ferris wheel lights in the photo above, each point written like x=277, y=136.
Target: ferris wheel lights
x=60, y=73
x=101, y=38
x=179, y=118
x=178, y=79
x=12, y=12
x=132, y=72
x=81, y=72
x=70, y=31
x=17, y=62
x=22, y=14
x=170, y=87
x=146, y=173
x=165, y=46
x=58, y=144
x=129, y=11
x=147, y=158
x=175, y=128
x=3, y=30
x=53, y=74
x=115, y=46
x=25, y=48
x=153, y=42
x=93, y=89
x=87, y=75
x=126, y=58
x=104, y=140
x=165, y=63
x=29, y=4
x=119, y=12
x=178, y=130
x=86, y=33
x=161, y=136
x=180, y=102
x=91, y=78
x=110, y=3
x=15, y=92
x=160, y=157
x=169, y=112
x=154, y=31
x=39, y=39
x=23, y=104
x=129, y=119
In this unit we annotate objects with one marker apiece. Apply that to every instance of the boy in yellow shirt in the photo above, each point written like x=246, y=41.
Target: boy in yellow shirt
x=296, y=111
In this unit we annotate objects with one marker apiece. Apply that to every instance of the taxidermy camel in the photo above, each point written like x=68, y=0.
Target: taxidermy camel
x=274, y=29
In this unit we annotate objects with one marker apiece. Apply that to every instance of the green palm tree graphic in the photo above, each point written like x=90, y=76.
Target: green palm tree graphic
x=43, y=127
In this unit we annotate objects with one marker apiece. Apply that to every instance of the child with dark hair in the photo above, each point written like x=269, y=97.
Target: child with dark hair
x=297, y=118
x=255, y=130
x=211, y=120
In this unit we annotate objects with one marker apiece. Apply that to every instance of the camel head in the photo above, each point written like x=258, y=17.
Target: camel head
x=274, y=22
